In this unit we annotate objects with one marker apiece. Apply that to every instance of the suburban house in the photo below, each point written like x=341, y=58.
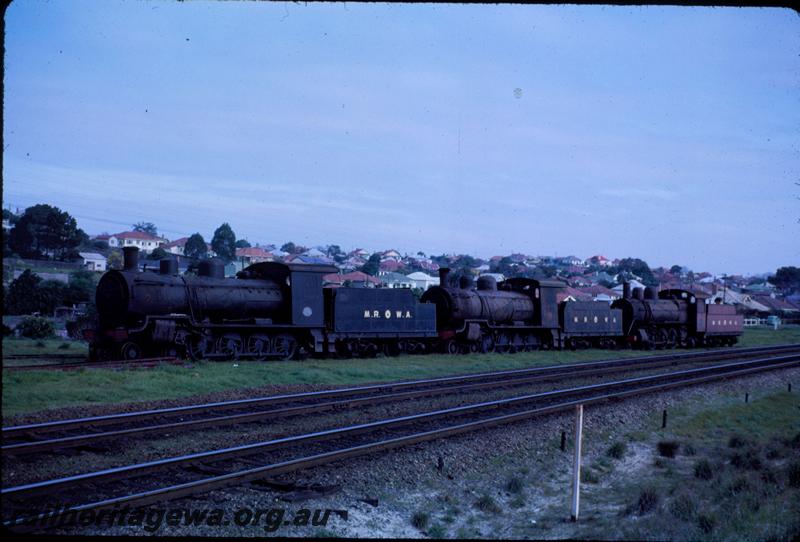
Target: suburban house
x=145, y=242
x=251, y=255
x=178, y=246
x=634, y=284
x=359, y=253
x=390, y=266
x=93, y=261
x=600, y=260
x=422, y=280
x=391, y=254
x=498, y=277
x=355, y=279
x=600, y=293
x=395, y=280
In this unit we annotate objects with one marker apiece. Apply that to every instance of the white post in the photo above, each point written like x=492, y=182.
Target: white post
x=576, y=475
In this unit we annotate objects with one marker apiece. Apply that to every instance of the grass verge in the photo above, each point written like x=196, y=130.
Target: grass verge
x=34, y=391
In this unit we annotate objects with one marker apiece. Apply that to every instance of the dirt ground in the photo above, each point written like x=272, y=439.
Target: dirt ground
x=508, y=482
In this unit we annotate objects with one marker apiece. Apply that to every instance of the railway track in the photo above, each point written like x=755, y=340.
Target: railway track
x=117, y=364
x=181, y=476
x=82, y=432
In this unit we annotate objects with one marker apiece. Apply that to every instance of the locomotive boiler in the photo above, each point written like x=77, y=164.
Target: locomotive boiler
x=269, y=310
x=518, y=314
x=675, y=317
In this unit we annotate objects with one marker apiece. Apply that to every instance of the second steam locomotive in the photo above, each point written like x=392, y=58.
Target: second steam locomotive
x=278, y=311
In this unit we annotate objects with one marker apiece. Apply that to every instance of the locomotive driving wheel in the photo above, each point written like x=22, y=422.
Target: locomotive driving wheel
x=130, y=351
x=258, y=347
x=451, y=347
x=230, y=345
x=487, y=344
x=196, y=347
x=285, y=346
x=672, y=338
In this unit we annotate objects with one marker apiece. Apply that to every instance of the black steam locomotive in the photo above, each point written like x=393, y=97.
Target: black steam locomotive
x=276, y=311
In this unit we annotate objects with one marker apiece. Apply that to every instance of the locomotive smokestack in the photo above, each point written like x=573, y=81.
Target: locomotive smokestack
x=487, y=283
x=212, y=268
x=626, y=290
x=130, y=258
x=444, y=272
x=168, y=266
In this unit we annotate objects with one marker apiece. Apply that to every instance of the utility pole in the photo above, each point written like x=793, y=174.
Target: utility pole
x=576, y=475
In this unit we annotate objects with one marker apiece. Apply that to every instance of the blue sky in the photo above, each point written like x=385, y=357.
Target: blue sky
x=667, y=133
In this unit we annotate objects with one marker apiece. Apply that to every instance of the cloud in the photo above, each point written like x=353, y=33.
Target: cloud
x=640, y=193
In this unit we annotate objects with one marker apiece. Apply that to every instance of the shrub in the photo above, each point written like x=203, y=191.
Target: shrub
x=436, y=531
x=737, y=441
x=617, y=450
x=589, y=476
x=515, y=485
x=648, y=500
x=64, y=346
x=703, y=470
x=748, y=460
x=667, y=448
x=36, y=328
x=420, y=520
x=683, y=507
x=706, y=522
x=739, y=485
x=486, y=504
x=688, y=449
x=793, y=473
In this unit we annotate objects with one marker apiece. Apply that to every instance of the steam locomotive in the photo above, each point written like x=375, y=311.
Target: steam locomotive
x=274, y=310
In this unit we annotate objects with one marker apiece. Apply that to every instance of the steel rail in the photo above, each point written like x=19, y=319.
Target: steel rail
x=225, y=480
x=128, y=471
x=249, y=417
x=121, y=364
x=58, y=425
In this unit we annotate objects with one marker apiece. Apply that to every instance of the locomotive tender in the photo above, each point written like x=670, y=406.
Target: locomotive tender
x=274, y=310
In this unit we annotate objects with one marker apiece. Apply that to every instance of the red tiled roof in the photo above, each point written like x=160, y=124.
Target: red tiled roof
x=355, y=276
x=177, y=242
x=570, y=291
x=136, y=235
x=774, y=303
x=391, y=265
x=596, y=290
x=251, y=252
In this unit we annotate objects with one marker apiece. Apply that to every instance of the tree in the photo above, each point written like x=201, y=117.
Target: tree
x=146, y=227
x=82, y=284
x=195, y=247
x=159, y=254
x=243, y=243
x=36, y=328
x=639, y=268
x=786, y=278
x=288, y=247
x=114, y=260
x=373, y=265
x=43, y=230
x=8, y=215
x=224, y=243
x=335, y=252
x=675, y=269
x=22, y=294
